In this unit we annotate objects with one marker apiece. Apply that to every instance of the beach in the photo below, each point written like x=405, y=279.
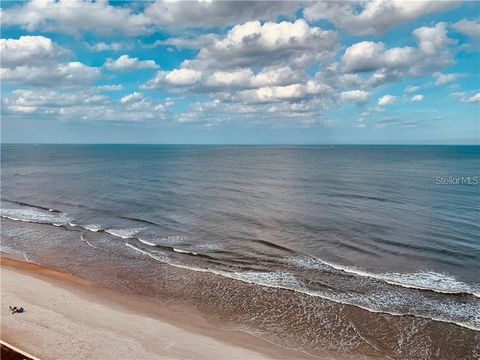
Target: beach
x=67, y=315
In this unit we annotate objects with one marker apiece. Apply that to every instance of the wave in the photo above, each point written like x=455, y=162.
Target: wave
x=156, y=257
x=421, y=280
x=184, y=251
x=59, y=219
x=146, y=221
x=124, y=233
x=162, y=240
x=207, y=247
x=273, y=245
x=93, y=227
x=31, y=205
x=147, y=242
x=34, y=216
x=388, y=302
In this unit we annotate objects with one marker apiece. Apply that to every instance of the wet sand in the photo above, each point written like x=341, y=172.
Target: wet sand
x=68, y=317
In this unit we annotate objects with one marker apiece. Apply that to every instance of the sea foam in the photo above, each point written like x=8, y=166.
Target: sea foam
x=34, y=216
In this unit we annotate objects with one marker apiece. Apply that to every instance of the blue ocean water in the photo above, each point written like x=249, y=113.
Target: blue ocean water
x=389, y=229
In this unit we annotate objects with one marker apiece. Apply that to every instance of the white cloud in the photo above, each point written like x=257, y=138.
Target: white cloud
x=81, y=105
x=369, y=56
x=30, y=50
x=412, y=88
x=281, y=93
x=256, y=44
x=35, y=60
x=133, y=97
x=386, y=100
x=180, y=14
x=252, y=66
x=442, y=79
x=462, y=96
x=364, y=56
x=372, y=17
x=468, y=27
x=417, y=98
x=76, y=16
x=432, y=39
x=46, y=100
x=117, y=87
x=239, y=77
x=183, y=76
x=124, y=63
x=177, y=77
x=103, y=46
x=391, y=64
x=103, y=18
x=356, y=96
x=474, y=98
x=245, y=78
x=72, y=73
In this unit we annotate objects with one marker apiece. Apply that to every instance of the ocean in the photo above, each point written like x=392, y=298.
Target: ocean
x=358, y=250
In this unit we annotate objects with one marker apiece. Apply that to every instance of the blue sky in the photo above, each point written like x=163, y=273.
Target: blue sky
x=387, y=72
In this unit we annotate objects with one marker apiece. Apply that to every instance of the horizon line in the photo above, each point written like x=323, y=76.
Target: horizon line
x=245, y=144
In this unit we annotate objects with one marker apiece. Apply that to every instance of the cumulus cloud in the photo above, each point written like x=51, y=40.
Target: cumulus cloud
x=468, y=27
x=251, y=65
x=369, y=55
x=270, y=94
x=182, y=76
x=412, y=88
x=135, y=96
x=474, y=98
x=465, y=97
x=82, y=105
x=255, y=64
x=372, y=17
x=104, y=18
x=111, y=46
x=176, y=77
x=30, y=50
x=36, y=60
x=48, y=101
x=356, y=96
x=126, y=63
x=178, y=14
x=386, y=100
x=391, y=64
x=246, y=78
x=76, y=16
x=432, y=39
x=442, y=79
x=303, y=112
x=257, y=44
x=117, y=87
x=235, y=78
x=71, y=73
x=239, y=78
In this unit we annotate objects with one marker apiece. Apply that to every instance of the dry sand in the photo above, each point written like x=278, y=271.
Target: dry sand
x=68, y=318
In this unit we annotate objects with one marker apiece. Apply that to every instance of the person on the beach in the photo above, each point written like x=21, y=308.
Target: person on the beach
x=14, y=309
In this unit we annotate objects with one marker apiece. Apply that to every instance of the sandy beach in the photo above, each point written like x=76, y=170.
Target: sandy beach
x=67, y=317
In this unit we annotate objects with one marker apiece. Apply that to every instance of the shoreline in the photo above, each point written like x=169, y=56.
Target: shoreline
x=86, y=320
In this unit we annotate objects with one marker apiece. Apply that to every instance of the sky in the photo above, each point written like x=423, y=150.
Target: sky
x=231, y=72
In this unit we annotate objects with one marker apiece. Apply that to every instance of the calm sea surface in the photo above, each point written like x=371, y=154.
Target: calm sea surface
x=385, y=234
